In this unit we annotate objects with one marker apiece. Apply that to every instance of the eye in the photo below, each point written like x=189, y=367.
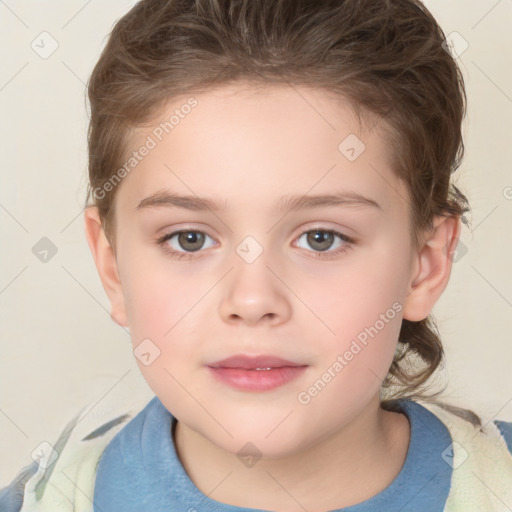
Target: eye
x=185, y=241
x=325, y=241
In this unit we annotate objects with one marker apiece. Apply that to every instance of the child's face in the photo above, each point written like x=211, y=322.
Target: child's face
x=247, y=151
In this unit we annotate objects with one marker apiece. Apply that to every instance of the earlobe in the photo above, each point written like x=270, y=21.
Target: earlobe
x=432, y=269
x=106, y=264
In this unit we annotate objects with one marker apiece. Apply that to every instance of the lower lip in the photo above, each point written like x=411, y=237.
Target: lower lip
x=257, y=380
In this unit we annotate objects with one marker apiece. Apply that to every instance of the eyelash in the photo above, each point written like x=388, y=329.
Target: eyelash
x=323, y=255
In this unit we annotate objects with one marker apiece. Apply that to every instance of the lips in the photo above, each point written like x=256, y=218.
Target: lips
x=255, y=373
x=254, y=362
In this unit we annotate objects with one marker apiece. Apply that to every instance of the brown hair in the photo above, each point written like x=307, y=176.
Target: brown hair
x=386, y=57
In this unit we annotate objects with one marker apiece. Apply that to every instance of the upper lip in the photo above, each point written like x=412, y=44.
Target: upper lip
x=246, y=362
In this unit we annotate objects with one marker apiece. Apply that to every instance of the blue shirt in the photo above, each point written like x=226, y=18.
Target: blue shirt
x=140, y=470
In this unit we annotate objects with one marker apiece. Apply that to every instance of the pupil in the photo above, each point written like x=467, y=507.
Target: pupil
x=322, y=239
x=193, y=238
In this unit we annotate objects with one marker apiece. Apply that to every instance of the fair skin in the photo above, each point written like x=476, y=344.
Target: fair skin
x=246, y=149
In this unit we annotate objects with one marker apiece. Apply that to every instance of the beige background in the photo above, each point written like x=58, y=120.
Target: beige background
x=59, y=348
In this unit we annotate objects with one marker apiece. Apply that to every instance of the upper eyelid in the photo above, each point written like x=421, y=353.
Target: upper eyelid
x=336, y=231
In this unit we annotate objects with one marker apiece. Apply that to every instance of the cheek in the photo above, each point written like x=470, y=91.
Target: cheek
x=157, y=299
x=163, y=307
x=360, y=308
x=356, y=294
x=352, y=364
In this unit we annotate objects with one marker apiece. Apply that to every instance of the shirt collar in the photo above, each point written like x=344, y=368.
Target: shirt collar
x=140, y=469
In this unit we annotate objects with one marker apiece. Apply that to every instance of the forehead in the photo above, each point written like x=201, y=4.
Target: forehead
x=253, y=144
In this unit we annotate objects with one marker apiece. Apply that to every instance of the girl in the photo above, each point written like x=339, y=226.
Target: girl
x=272, y=216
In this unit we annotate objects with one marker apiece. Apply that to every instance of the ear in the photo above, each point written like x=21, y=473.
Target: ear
x=106, y=264
x=432, y=268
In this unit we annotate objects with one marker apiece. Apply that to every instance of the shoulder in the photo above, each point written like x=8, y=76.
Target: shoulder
x=62, y=467
x=464, y=420
x=480, y=456
x=128, y=443
x=138, y=456
x=466, y=424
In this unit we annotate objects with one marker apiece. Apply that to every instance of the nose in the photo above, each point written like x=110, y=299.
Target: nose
x=253, y=295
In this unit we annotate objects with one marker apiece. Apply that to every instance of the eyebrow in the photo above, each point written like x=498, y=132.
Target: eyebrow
x=287, y=203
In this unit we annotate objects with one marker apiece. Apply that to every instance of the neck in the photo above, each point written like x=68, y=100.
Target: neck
x=346, y=467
